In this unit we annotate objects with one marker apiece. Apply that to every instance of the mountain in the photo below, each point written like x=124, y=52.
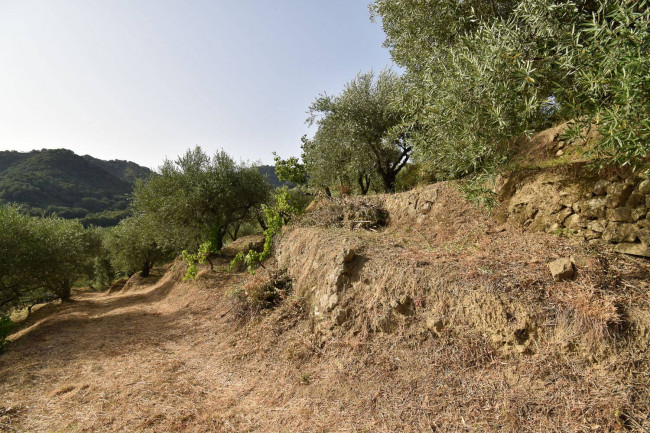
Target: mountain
x=72, y=186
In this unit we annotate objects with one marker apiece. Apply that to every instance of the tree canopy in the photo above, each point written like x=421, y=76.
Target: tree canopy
x=197, y=198
x=355, y=141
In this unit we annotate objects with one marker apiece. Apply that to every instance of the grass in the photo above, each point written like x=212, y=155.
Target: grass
x=516, y=352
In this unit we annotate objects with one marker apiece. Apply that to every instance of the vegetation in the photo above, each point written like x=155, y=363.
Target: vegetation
x=275, y=217
x=198, y=198
x=41, y=258
x=355, y=141
x=58, y=182
x=481, y=74
x=132, y=246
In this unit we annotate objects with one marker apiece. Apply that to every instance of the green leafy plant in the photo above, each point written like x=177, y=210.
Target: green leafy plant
x=201, y=257
x=275, y=216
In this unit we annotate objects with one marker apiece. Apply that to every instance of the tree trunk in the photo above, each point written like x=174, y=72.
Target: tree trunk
x=365, y=186
x=146, y=268
x=262, y=223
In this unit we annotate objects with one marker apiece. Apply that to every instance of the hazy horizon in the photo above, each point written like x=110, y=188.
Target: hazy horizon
x=146, y=80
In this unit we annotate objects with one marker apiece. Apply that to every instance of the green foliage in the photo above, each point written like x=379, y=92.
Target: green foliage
x=70, y=186
x=132, y=246
x=40, y=258
x=290, y=170
x=608, y=59
x=481, y=74
x=357, y=140
x=6, y=325
x=275, y=216
x=198, y=198
x=201, y=257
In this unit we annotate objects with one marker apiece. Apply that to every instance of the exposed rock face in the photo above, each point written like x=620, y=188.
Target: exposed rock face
x=614, y=209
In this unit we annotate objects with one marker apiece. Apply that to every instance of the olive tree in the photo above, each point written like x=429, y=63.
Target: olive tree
x=356, y=140
x=40, y=258
x=132, y=246
x=197, y=198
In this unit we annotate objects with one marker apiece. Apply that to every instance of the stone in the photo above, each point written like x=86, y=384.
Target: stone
x=600, y=188
x=576, y=222
x=591, y=235
x=633, y=249
x=644, y=187
x=618, y=193
x=639, y=213
x=620, y=232
x=559, y=153
x=620, y=214
x=635, y=199
x=644, y=236
x=593, y=208
x=562, y=269
x=597, y=226
x=562, y=215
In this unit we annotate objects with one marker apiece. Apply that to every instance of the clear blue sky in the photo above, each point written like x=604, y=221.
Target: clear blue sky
x=145, y=79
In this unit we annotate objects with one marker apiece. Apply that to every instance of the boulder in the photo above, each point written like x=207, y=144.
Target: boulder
x=620, y=214
x=633, y=249
x=576, y=222
x=562, y=269
x=597, y=226
x=644, y=187
x=620, y=232
x=600, y=188
x=593, y=208
x=618, y=193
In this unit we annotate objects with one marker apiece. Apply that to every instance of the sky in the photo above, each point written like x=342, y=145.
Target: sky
x=142, y=80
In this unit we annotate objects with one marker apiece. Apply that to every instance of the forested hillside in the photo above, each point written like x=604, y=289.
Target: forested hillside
x=60, y=182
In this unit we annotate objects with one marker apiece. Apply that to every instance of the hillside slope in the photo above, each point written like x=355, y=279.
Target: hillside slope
x=429, y=318
x=72, y=186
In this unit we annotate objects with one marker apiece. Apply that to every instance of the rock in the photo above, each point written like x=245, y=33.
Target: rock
x=639, y=213
x=593, y=208
x=575, y=222
x=559, y=153
x=597, y=226
x=633, y=249
x=618, y=193
x=591, y=235
x=636, y=199
x=620, y=214
x=562, y=269
x=600, y=188
x=561, y=216
x=644, y=187
x=644, y=236
x=619, y=232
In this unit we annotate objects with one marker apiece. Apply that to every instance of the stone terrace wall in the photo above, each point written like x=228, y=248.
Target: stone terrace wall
x=612, y=208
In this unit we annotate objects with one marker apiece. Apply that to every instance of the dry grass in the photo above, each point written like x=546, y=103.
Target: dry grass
x=512, y=350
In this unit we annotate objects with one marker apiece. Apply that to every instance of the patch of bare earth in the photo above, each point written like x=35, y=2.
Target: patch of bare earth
x=443, y=321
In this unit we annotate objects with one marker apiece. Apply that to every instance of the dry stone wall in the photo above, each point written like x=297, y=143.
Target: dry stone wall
x=613, y=208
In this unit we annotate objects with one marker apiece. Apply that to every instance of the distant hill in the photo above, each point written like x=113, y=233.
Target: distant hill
x=72, y=186
x=269, y=172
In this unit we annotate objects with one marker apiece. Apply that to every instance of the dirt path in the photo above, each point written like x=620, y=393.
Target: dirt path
x=122, y=362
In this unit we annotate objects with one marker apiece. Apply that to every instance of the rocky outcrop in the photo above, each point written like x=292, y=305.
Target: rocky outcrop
x=610, y=208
